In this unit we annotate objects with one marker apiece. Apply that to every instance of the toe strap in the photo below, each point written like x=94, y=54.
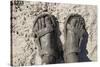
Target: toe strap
x=43, y=31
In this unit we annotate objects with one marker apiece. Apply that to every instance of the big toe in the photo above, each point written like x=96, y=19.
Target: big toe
x=47, y=21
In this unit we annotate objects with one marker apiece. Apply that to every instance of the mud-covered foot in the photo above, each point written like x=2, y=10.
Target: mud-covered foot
x=74, y=29
x=43, y=30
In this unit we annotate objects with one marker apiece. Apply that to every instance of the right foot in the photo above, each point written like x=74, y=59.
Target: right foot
x=44, y=36
x=74, y=29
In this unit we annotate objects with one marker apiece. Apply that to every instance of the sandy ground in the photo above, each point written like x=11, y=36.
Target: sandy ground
x=25, y=51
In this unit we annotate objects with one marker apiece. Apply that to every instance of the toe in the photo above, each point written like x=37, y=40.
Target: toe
x=39, y=24
x=80, y=25
x=43, y=22
x=47, y=21
x=77, y=25
x=69, y=27
x=36, y=27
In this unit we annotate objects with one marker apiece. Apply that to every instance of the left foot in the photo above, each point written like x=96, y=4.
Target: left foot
x=44, y=36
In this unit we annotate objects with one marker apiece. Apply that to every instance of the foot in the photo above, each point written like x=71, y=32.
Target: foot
x=74, y=29
x=44, y=36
